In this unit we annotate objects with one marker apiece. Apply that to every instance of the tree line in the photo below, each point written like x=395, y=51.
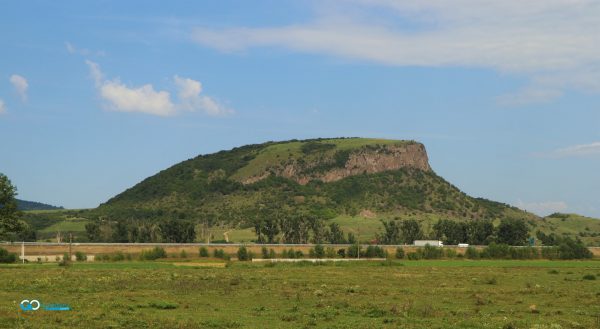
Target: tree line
x=476, y=232
x=298, y=229
x=171, y=231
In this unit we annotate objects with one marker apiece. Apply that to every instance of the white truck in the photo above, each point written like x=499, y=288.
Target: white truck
x=423, y=243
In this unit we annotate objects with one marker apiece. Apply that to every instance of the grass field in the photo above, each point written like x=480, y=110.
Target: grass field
x=403, y=294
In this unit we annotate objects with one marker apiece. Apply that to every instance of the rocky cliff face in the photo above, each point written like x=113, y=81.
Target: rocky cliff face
x=366, y=160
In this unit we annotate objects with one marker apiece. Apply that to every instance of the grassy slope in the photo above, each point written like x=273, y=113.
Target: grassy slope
x=48, y=223
x=484, y=294
x=573, y=225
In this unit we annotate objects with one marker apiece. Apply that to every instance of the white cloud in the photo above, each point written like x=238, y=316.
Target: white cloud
x=2, y=107
x=552, y=42
x=144, y=99
x=20, y=84
x=543, y=208
x=141, y=99
x=576, y=150
x=190, y=98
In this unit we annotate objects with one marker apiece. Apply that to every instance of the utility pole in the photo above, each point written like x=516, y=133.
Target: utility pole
x=70, y=243
x=358, y=244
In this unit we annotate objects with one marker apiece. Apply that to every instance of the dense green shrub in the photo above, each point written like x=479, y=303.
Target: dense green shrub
x=220, y=253
x=65, y=261
x=496, y=251
x=330, y=252
x=80, y=256
x=550, y=253
x=399, y=253
x=431, y=252
x=472, y=253
x=353, y=251
x=152, y=254
x=414, y=256
x=451, y=253
x=243, y=254
x=265, y=253
x=203, y=252
x=291, y=253
x=375, y=252
x=6, y=257
x=573, y=249
x=524, y=253
x=102, y=258
x=341, y=253
x=319, y=251
x=117, y=256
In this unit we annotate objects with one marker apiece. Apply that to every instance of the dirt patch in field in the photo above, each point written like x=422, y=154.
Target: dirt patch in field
x=367, y=213
x=221, y=265
x=407, y=275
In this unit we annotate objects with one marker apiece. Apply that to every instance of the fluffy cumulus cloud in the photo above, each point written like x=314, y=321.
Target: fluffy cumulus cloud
x=145, y=99
x=20, y=84
x=119, y=97
x=190, y=98
x=2, y=107
x=553, y=43
x=543, y=208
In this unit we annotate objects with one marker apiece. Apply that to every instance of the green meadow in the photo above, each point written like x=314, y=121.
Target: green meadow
x=394, y=294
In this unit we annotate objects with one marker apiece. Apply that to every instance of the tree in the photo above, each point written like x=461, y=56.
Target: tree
x=512, y=232
x=295, y=229
x=119, y=232
x=411, y=231
x=92, y=231
x=335, y=234
x=450, y=232
x=177, y=231
x=318, y=229
x=270, y=227
x=10, y=225
x=480, y=232
x=391, y=233
x=243, y=254
x=351, y=238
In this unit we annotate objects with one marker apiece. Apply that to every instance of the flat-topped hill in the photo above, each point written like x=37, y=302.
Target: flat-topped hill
x=323, y=177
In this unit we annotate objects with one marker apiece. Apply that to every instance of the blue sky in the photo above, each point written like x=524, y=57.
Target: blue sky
x=505, y=95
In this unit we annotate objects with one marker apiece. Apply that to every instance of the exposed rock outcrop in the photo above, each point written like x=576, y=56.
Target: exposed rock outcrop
x=367, y=160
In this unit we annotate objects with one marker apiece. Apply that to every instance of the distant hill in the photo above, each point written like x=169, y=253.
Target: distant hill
x=572, y=225
x=324, y=177
x=32, y=205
